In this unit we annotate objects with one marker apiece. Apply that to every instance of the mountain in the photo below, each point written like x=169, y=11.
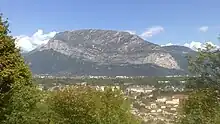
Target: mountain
x=105, y=52
x=180, y=54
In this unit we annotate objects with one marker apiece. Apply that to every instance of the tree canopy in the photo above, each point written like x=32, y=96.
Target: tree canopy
x=18, y=96
x=86, y=105
x=203, y=105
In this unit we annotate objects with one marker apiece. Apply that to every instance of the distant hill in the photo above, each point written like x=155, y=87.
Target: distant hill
x=106, y=52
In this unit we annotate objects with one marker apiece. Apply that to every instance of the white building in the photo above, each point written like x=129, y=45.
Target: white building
x=161, y=99
x=173, y=102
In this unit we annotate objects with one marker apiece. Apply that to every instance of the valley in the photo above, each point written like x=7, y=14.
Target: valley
x=156, y=100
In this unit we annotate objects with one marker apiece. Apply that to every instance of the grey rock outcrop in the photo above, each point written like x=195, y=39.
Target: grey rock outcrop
x=103, y=52
x=110, y=47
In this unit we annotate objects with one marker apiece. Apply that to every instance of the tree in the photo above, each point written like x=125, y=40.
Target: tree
x=203, y=105
x=206, y=66
x=12, y=67
x=86, y=105
x=18, y=96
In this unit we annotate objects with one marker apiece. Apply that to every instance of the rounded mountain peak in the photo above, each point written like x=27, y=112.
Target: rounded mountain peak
x=97, y=36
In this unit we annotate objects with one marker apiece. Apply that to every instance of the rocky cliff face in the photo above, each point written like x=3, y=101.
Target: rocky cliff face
x=110, y=47
x=180, y=54
x=162, y=59
x=106, y=48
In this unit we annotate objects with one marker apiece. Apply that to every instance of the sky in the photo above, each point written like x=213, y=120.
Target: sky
x=164, y=22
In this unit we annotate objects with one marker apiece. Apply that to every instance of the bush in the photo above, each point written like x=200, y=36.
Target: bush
x=85, y=105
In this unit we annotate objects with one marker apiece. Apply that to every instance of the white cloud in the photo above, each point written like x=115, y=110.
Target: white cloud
x=198, y=45
x=152, y=31
x=28, y=43
x=194, y=45
x=203, y=29
x=169, y=44
x=131, y=32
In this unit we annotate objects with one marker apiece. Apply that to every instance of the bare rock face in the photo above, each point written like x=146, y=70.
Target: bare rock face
x=162, y=59
x=107, y=53
x=106, y=47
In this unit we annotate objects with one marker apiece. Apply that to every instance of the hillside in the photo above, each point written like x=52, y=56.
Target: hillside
x=180, y=54
x=105, y=52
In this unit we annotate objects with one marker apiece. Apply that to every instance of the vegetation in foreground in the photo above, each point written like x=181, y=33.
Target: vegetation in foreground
x=203, y=105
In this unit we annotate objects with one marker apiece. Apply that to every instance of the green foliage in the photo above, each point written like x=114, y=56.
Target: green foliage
x=206, y=66
x=12, y=66
x=203, y=105
x=85, y=105
x=18, y=96
x=22, y=106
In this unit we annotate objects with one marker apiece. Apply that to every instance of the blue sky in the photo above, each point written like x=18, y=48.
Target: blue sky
x=178, y=21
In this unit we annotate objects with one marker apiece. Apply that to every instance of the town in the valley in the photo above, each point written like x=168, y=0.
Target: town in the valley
x=154, y=99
